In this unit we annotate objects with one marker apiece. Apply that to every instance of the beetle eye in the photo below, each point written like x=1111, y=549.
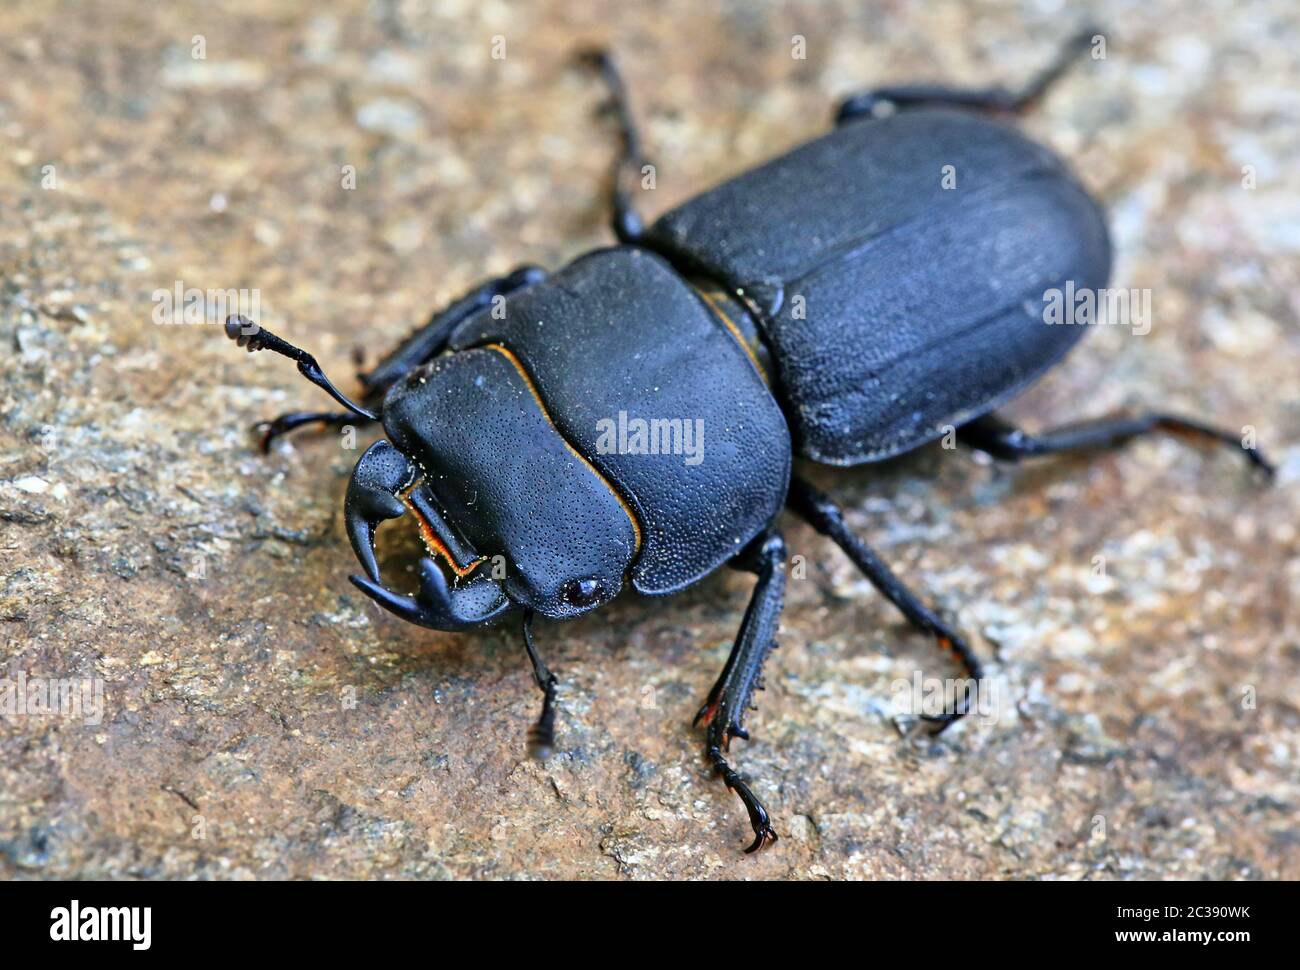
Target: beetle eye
x=581, y=592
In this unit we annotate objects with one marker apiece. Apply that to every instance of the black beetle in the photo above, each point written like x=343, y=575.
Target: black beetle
x=838, y=303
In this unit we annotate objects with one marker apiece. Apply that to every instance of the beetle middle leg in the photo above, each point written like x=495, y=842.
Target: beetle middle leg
x=422, y=345
x=724, y=711
x=626, y=222
x=826, y=517
x=994, y=98
x=1006, y=442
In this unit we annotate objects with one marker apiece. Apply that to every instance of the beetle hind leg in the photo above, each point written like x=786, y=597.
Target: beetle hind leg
x=1006, y=442
x=827, y=518
x=724, y=711
x=994, y=98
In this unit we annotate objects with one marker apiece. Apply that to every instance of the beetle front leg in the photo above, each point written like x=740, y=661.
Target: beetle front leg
x=724, y=712
x=827, y=518
x=285, y=423
x=428, y=341
x=1004, y=441
x=995, y=98
x=541, y=736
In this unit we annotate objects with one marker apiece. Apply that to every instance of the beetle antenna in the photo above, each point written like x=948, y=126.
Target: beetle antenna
x=253, y=337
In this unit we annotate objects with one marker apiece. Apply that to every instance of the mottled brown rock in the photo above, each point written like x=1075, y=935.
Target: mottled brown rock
x=147, y=544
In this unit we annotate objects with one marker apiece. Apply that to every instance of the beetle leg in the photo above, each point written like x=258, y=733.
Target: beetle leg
x=1004, y=441
x=627, y=224
x=995, y=98
x=826, y=517
x=297, y=419
x=541, y=736
x=725, y=709
x=428, y=341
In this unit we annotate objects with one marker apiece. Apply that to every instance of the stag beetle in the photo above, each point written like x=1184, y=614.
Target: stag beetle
x=838, y=304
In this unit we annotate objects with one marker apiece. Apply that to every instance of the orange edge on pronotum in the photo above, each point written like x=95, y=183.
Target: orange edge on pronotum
x=711, y=301
x=509, y=355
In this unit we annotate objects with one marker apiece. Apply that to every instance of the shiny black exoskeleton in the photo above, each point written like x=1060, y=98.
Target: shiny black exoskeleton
x=631, y=420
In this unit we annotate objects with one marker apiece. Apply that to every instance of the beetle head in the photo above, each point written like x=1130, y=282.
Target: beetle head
x=382, y=487
x=510, y=515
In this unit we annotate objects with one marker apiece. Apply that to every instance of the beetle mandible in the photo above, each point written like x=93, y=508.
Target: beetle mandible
x=837, y=304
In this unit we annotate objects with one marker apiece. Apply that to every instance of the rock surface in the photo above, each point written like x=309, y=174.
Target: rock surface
x=358, y=163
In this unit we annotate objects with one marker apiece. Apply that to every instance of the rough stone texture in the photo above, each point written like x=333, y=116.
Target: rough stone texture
x=145, y=542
